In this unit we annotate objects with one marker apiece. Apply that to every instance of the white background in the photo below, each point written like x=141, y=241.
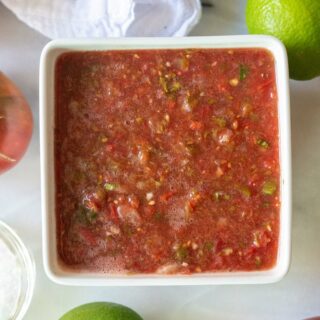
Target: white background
x=297, y=296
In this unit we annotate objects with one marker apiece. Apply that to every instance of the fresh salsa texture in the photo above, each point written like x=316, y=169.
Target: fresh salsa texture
x=167, y=161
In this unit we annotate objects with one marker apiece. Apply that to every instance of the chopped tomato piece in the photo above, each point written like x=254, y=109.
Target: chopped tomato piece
x=88, y=236
x=167, y=195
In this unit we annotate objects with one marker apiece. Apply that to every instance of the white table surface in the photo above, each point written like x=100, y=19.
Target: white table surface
x=297, y=296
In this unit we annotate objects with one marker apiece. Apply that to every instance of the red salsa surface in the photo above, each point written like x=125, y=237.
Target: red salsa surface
x=167, y=161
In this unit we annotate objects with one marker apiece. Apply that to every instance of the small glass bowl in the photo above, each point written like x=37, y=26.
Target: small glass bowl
x=28, y=271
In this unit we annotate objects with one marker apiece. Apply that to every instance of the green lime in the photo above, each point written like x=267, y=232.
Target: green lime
x=297, y=24
x=101, y=311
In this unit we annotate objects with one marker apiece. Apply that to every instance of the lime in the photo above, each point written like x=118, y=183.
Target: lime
x=101, y=311
x=297, y=24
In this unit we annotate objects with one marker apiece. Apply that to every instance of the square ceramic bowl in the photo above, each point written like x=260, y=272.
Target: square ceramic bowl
x=53, y=268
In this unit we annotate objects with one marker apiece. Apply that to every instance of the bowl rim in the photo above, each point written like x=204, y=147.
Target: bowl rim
x=61, y=275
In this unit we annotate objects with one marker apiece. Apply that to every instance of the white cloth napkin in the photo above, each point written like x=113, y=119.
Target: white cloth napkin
x=107, y=18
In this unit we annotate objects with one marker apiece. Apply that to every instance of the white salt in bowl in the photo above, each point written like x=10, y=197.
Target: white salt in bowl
x=17, y=275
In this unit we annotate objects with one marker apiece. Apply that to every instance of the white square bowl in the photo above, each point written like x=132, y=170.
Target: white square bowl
x=53, y=268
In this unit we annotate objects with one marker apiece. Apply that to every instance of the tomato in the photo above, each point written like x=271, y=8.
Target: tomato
x=15, y=124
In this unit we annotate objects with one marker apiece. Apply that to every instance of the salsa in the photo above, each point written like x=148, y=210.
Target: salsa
x=167, y=161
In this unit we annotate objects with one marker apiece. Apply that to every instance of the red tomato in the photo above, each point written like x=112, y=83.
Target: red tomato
x=15, y=124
